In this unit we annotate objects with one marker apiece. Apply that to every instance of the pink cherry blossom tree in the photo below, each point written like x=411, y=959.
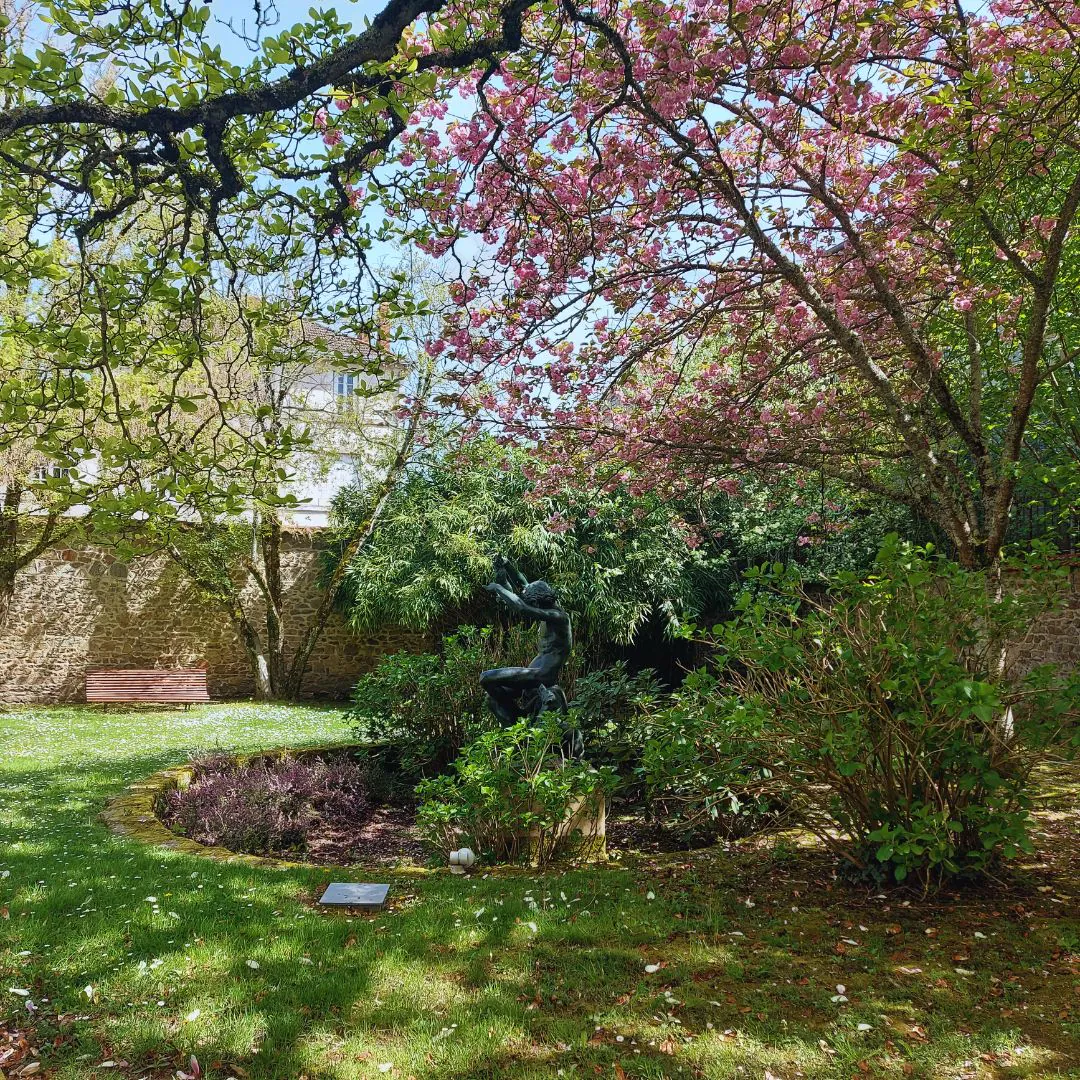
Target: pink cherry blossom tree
x=696, y=236
x=718, y=235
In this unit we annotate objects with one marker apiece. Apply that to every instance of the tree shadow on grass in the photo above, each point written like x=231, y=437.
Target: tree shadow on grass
x=463, y=978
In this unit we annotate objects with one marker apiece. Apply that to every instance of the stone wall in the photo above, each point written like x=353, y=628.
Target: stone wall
x=1055, y=637
x=77, y=608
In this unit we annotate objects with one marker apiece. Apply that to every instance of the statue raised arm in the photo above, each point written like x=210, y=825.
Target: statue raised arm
x=508, y=575
x=515, y=692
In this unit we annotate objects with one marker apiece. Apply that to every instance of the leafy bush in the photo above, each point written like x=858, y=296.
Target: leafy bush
x=611, y=707
x=630, y=568
x=617, y=561
x=693, y=782
x=430, y=704
x=267, y=805
x=702, y=769
x=511, y=796
x=886, y=712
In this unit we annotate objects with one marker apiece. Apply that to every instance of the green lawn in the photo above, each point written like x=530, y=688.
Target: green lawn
x=141, y=956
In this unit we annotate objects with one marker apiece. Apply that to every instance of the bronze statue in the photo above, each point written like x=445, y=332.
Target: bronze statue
x=517, y=692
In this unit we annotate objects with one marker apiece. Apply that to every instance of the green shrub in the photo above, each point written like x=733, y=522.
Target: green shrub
x=611, y=707
x=887, y=712
x=702, y=765
x=617, y=561
x=510, y=797
x=428, y=705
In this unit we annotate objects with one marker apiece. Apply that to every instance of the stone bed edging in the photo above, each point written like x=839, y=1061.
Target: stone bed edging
x=133, y=814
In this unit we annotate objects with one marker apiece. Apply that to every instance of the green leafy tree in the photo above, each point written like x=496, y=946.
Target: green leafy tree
x=617, y=561
x=40, y=483
x=203, y=143
x=172, y=349
x=148, y=205
x=49, y=413
x=248, y=416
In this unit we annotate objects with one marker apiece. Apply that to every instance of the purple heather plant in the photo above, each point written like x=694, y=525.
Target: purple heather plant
x=268, y=805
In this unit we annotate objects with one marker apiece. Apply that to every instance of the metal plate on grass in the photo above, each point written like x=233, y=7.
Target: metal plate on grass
x=347, y=894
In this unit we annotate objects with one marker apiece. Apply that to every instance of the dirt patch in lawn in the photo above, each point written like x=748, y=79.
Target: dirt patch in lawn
x=631, y=831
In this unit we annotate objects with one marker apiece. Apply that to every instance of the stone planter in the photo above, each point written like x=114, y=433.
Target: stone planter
x=582, y=835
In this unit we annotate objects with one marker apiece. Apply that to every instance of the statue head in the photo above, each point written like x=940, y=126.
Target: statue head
x=539, y=594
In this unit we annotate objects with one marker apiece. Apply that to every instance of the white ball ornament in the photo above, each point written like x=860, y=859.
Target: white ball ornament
x=462, y=857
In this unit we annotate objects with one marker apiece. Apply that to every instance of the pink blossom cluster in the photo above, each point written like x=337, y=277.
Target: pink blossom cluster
x=754, y=234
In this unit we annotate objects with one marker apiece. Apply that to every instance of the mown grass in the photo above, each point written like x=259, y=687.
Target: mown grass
x=142, y=956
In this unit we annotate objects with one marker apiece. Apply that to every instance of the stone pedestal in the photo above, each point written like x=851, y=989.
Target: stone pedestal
x=582, y=834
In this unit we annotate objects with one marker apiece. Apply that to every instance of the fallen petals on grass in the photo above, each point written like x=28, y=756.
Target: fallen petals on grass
x=194, y=1066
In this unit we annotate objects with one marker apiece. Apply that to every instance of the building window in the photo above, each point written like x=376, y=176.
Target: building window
x=345, y=392
x=42, y=474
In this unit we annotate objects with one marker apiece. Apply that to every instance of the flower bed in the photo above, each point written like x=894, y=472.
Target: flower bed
x=386, y=836
x=375, y=841
x=325, y=808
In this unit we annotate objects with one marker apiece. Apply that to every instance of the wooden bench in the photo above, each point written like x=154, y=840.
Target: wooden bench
x=181, y=686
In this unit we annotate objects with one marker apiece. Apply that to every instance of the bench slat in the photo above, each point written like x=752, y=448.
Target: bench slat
x=181, y=685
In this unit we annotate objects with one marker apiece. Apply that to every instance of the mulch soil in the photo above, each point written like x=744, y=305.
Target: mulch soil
x=391, y=838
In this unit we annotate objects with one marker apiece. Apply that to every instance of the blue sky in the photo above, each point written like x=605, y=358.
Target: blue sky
x=289, y=13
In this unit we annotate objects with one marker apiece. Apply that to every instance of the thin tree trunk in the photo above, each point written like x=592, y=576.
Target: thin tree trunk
x=259, y=655
x=355, y=543
x=257, y=658
x=9, y=544
x=232, y=607
x=275, y=630
x=12, y=560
